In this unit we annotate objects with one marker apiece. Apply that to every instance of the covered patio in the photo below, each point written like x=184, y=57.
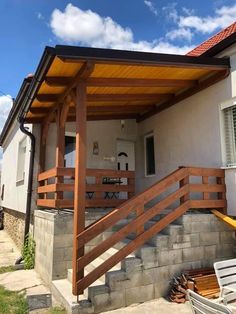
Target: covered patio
x=86, y=84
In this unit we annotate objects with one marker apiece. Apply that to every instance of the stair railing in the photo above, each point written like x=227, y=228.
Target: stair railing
x=175, y=190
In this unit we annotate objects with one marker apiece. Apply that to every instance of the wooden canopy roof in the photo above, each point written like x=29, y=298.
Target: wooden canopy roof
x=120, y=84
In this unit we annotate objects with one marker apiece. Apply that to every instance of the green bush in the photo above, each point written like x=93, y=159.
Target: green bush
x=28, y=252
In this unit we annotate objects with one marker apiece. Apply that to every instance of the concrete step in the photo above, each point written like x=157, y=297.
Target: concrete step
x=62, y=291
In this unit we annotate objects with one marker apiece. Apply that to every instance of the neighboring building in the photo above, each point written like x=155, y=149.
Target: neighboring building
x=148, y=114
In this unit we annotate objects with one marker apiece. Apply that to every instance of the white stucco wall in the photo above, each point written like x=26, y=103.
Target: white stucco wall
x=104, y=132
x=191, y=133
x=14, y=192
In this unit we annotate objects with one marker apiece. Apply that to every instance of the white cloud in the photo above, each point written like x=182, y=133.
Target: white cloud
x=221, y=18
x=180, y=33
x=87, y=28
x=5, y=107
x=151, y=7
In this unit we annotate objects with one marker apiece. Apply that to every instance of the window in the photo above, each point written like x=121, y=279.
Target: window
x=69, y=151
x=149, y=155
x=230, y=135
x=21, y=160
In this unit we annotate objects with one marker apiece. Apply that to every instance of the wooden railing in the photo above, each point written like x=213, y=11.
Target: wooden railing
x=185, y=194
x=105, y=187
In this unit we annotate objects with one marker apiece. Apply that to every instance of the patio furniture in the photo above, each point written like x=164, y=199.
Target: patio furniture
x=201, y=305
x=110, y=195
x=226, y=276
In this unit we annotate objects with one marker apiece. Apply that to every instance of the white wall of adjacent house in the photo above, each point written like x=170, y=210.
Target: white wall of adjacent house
x=15, y=164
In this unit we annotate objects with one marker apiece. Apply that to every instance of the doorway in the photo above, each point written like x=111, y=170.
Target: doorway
x=125, y=160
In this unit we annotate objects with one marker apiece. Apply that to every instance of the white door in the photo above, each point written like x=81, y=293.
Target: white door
x=125, y=160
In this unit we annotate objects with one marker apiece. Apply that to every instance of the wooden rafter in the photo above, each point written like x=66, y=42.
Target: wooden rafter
x=110, y=97
x=122, y=82
x=189, y=92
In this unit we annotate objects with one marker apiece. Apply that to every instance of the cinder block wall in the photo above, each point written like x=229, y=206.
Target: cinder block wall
x=201, y=240
x=53, y=233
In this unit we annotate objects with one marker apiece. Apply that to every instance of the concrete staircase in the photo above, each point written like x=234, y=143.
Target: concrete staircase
x=192, y=241
x=130, y=281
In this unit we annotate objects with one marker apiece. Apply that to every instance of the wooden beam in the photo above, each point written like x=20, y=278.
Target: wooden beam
x=109, y=97
x=126, y=97
x=47, y=97
x=189, y=92
x=98, y=109
x=113, y=117
x=132, y=82
x=58, y=81
x=80, y=181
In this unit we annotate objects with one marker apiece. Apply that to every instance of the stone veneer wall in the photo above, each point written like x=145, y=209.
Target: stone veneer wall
x=14, y=224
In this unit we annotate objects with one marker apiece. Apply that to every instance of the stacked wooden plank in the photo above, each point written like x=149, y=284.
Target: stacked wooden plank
x=202, y=281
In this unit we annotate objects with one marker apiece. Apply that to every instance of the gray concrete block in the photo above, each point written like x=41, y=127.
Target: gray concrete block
x=161, y=289
x=193, y=254
x=162, y=273
x=225, y=250
x=227, y=237
x=210, y=252
x=208, y=238
x=170, y=257
x=139, y=294
x=116, y=280
x=203, y=226
x=108, y=301
x=131, y=264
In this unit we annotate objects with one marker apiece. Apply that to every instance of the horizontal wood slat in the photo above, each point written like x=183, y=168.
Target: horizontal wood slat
x=207, y=203
x=110, y=173
x=206, y=172
x=46, y=203
x=47, y=174
x=109, y=188
x=207, y=188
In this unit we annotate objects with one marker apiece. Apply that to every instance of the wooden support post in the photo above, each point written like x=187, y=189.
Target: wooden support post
x=181, y=184
x=60, y=149
x=222, y=195
x=206, y=195
x=80, y=182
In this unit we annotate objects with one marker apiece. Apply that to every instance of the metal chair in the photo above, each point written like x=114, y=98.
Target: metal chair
x=226, y=276
x=201, y=305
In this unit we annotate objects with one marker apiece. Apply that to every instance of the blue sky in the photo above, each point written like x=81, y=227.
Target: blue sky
x=27, y=26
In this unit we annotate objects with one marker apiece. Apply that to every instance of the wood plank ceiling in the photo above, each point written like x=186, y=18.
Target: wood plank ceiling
x=122, y=91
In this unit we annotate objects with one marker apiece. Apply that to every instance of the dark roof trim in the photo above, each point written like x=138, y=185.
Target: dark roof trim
x=27, y=93
x=124, y=56
x=222, y=45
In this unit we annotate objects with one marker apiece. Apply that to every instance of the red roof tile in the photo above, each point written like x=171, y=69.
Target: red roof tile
x=213, y=41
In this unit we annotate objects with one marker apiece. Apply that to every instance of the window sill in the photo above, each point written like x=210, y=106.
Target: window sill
x=20, y=182
x=228, y=168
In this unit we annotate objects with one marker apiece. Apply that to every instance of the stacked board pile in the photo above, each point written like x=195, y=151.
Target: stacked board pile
x=202, y=281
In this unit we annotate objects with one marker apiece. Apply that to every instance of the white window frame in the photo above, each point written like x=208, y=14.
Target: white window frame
x=151, y=134
x=223, y=107
x=20, y=171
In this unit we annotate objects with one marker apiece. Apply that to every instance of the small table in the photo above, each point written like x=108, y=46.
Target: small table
x=110, y=195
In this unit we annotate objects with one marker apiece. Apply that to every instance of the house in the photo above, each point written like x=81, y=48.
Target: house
x=125, y=143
